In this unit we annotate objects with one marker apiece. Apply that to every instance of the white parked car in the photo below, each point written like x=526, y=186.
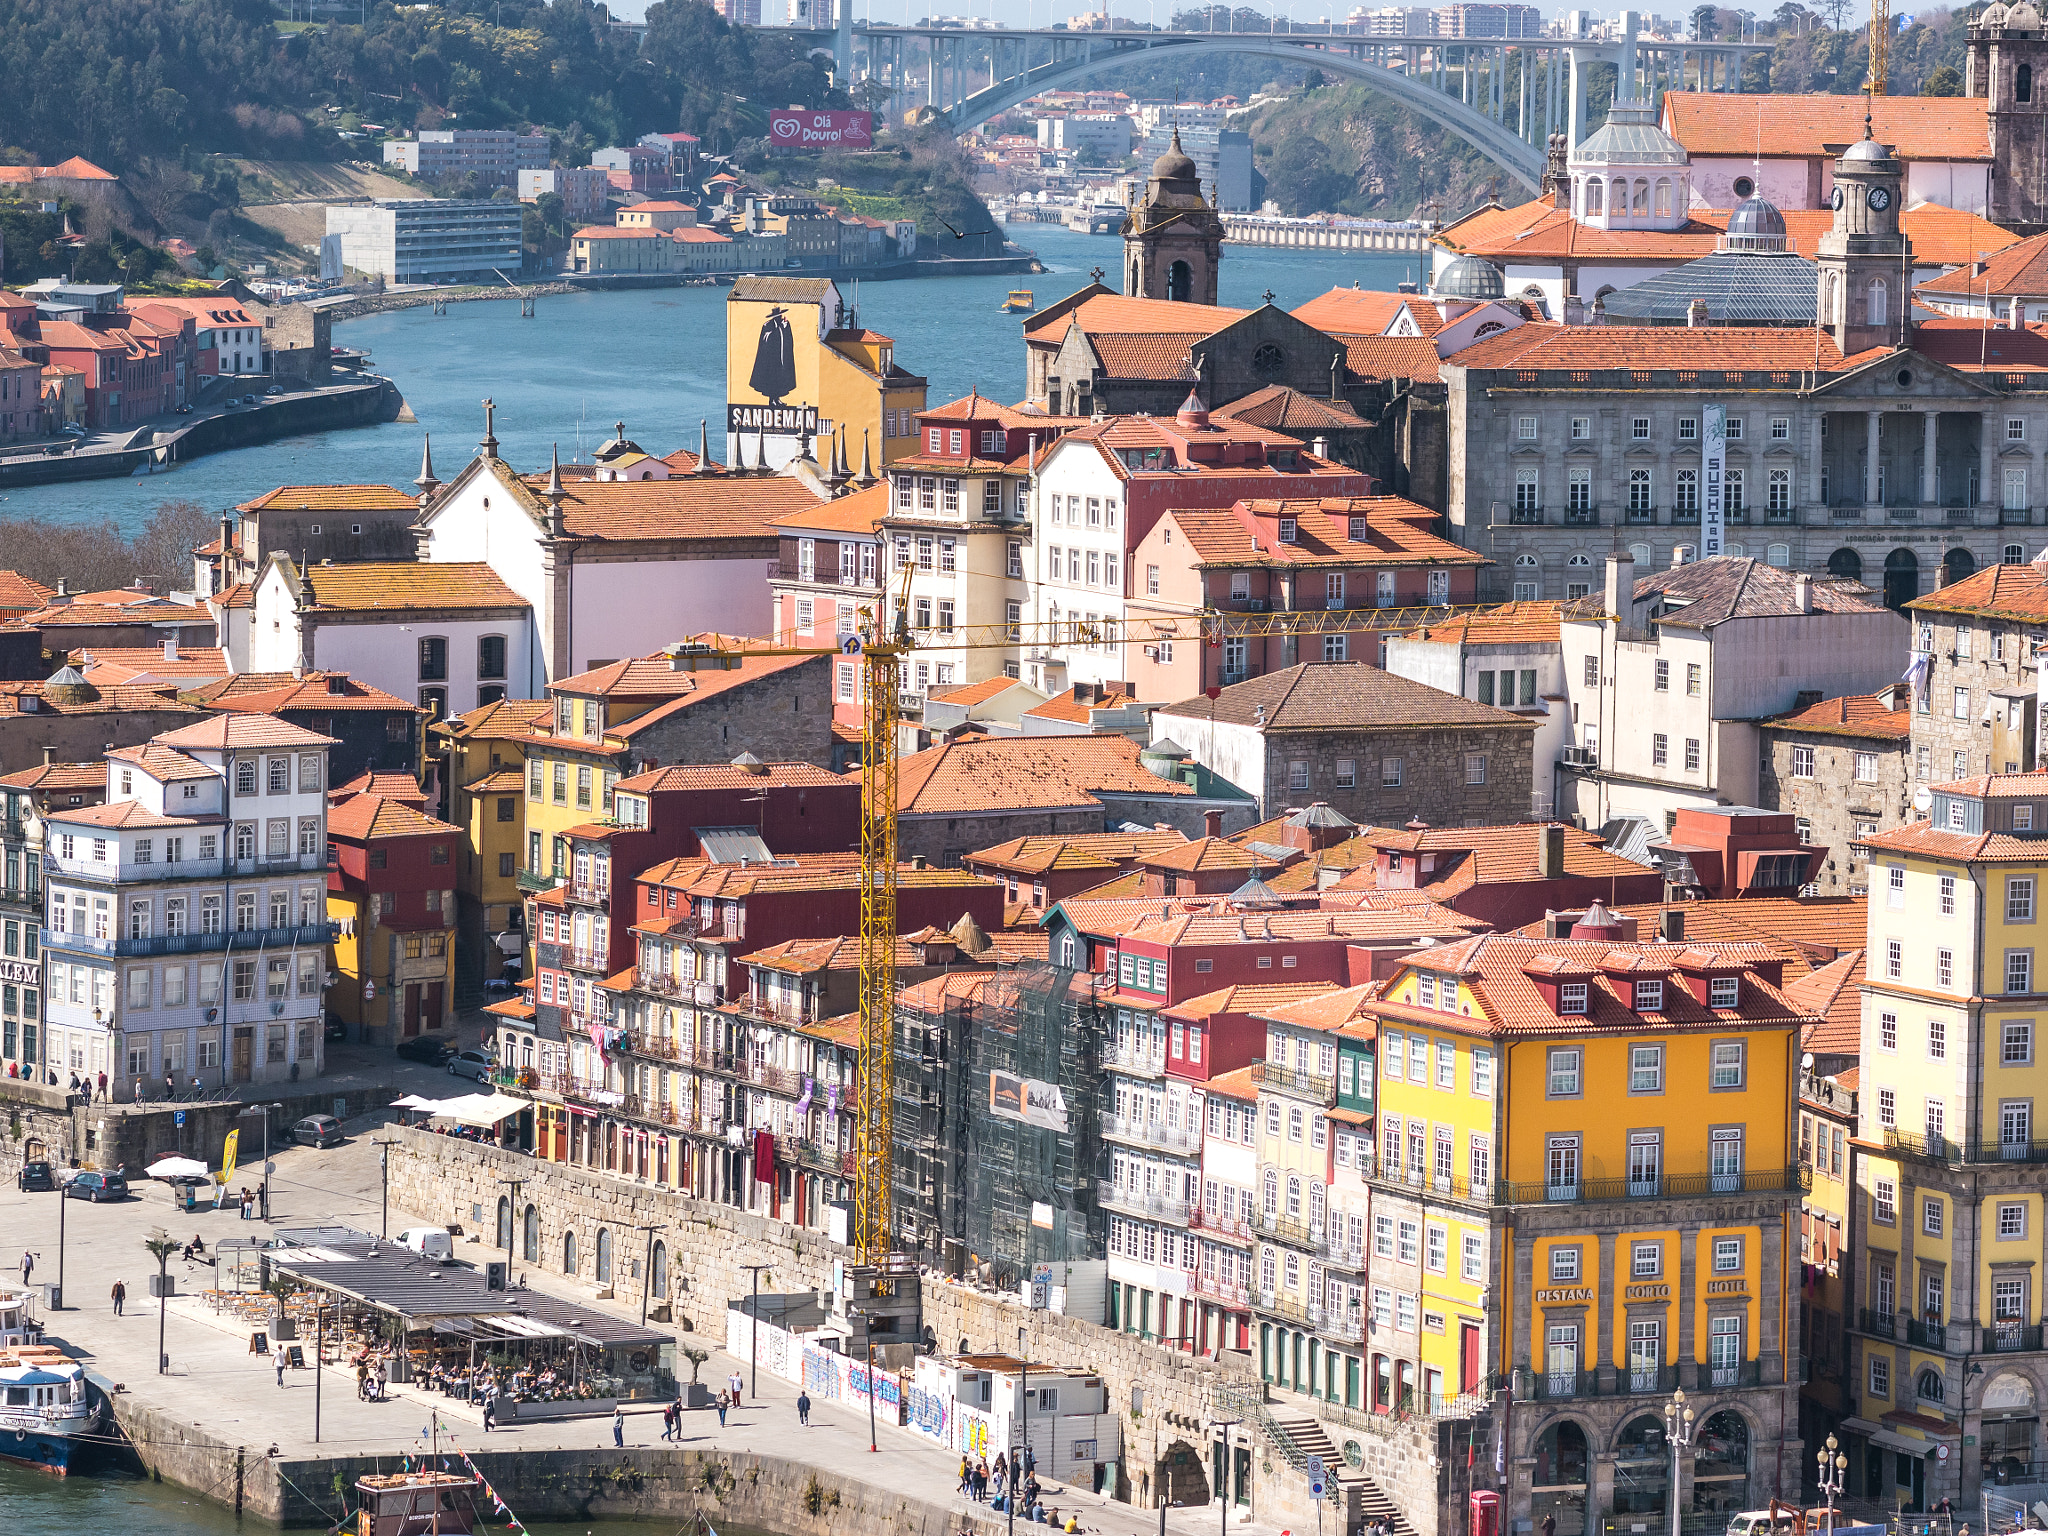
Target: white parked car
x=476, y=1064
x=429, y=1242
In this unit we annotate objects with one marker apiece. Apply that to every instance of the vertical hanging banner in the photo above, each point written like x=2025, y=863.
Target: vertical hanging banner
x=1714, y=472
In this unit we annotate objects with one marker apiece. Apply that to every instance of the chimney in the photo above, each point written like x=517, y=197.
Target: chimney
x=63, y=594
x=1671, y=925
x=49, y=756
x=1802, y=592
x=1320, y=447
x=1550, y=857
x=171, y=646
x=1212, y=823
x=917, y=861
x=1696, y=314
x=1619, y=596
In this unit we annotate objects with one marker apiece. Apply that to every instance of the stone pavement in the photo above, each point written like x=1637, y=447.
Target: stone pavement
x=215, y=1384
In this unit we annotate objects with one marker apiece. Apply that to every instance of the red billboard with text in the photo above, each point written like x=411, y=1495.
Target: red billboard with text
x=797, y=129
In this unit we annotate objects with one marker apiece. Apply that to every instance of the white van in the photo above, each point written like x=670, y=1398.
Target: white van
x=429, y=1242
x=1758, y=1522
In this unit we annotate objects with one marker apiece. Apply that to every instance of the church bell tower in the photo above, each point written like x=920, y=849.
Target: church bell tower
x=1173, y=241
x=1865, y=260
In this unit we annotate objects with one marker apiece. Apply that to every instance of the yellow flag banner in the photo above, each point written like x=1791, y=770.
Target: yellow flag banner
x=227, y=1156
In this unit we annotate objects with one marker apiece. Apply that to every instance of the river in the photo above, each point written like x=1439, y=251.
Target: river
x=652, y=357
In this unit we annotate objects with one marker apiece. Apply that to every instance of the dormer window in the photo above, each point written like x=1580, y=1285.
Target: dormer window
x=1724, y=992
x=1290, y=531
x=1649, y=997
x=1571, y=998
x=1356, y=531
x=933, y=437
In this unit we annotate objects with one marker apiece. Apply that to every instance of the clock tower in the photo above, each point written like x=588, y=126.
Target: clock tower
x=1865, y=261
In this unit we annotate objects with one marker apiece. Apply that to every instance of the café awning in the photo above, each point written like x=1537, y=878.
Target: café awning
x=480, y=1108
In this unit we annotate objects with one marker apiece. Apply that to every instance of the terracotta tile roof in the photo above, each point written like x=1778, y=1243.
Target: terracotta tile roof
x=504, y=781
x=59, y=776
x=1969, y=346
x=652, y=677
x=1108, y=915
x=123, y=663
x=1648, y=346
x=1107, y=314
x=219, y=732
x=1082, y=850
x=941, y=992
x=1473, y=856
x=364, y=818
x=391, y=785
x=1064, y=706
x=967, y=695
x=1204, y=854
x=1834, y=993
x=1404, y=922
x=1999, y=786
x=1352, y=311
x=19, y=593
x=333, y=498
x=164, y=764
x=240, y=595
x=1234, y=1085
x=807, y=957
x=100, y=615
x=1864, y=716
x=1498, y=967
x=699, y=776
x=2021, y=269
x=689, y=507
x=505, y=720
x=384, y=585
x=1806, y=931
x=313, y=692
x=857, y=513
x=1942, y=237
x=1738, y=587
x=1333, y=1008
x=1803, y=126
x=1000, y=775
x=1996, y=591
x=1247, y=534
x=124, y=813
x=1025, y=417
x=119, y=699
x=1510, y=624
x=119, y=597
x=1289, y=410
x=1341, y=695
x=1247, y=999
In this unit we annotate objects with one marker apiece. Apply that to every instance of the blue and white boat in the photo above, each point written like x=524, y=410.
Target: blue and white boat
x=47, y=1408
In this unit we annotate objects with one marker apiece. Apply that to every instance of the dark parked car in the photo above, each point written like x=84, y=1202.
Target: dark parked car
x=431, y=1049
x=97, y=1187
x=337, y=1028
x=317, y=1131
x=36, y=1175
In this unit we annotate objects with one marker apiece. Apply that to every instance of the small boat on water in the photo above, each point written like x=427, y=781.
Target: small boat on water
x=419, y=1503
x=1020, y=302
x=47, y=1407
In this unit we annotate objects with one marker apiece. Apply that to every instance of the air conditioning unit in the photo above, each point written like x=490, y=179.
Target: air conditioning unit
x=1255, y=605
x=1151, y=653
x=1581, y=757
x=495, y=1273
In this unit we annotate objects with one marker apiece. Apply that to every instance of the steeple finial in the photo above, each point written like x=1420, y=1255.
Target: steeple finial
x=489, y=446
x=867, y=472
x=554, y=490
x=703, y=447
x=425, y=479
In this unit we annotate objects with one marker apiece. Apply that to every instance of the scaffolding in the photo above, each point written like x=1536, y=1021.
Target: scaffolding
x=998, y=1116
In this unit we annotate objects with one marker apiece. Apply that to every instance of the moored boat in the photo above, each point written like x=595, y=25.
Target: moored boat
x=47, y=1408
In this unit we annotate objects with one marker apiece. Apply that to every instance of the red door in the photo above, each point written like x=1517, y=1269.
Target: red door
x=411, y=1011
x=1468, y=1359
x=435, y=1001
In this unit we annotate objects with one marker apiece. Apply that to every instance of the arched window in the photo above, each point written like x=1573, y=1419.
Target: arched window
x=1180, y=282
x=568, y=1253
x=604, y=1255
x=530, y=1248
x=2023, y=83
x=1642, y=203
x=1735, y=551
x=1579, y=561
x=1294, y=1194
x=1779, y=555
x=1526, y=562
x=1846, y=562
x=1663, y=197
x=658, y=1284
x=504, y=1223
x=1640, y=553
x=1928, y=1383
x=1272, y=1192
x=1744, y=187
x=1875, y=313
x=1595, y=197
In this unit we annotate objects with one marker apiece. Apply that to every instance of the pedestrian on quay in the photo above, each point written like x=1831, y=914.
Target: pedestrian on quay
x=120, y=1294
x=966, y=1474
x=489, y=1405
x=1002, y=1473
x=280, y=1367
x=170, y=1086
x=103, y=1087
x=724, y=1401
x=138, y=1090
x=28, y=1262
x=618, y=1426
x=803, y=1407
x=738, y=1384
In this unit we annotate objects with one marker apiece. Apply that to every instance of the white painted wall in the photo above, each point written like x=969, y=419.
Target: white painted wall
x=633, y=609
x=1237, y=752
x=1077, y=469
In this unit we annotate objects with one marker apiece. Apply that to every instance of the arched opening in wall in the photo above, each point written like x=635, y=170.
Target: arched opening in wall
x=1180, y=282
x=568, y=1253
x=1846, y=562
x=1663, y=197
x=657, y=1284
x=2010, y=1424
x=1642, y=1469
x=1596, y=197
x=504, y=1224
x=2023, y=83
x=1901, y=578
x=1957, y=564
x=1179, y=1478
x=33, y=1151
x=1720, y=1467
x=604, y=1256
x=1558, y=1480
x=1929, y=1388
x=529, y=1248
x=1642, y=202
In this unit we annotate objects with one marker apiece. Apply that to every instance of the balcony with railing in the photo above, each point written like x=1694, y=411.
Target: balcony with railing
x=1227, y=1293
x=772, y=1008
x=534, y=882
x=586, y=957
x=1794, y=1180
x=1744, y=1373
x=1151, y=1133
x=1295, y=1083
x=1295, y=1230
x=1415, y=1177
x=2006, y=1337
x=315, y=934
x=593, y=893
x=1205, y=1220
x=1154, y=1205
x=1138, y=1056
x=1344, y=1324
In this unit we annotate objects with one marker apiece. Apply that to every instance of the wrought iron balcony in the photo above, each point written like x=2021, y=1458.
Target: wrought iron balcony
x=1295, y=1083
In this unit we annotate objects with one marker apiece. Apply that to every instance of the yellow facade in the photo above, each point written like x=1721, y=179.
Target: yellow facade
x=485, y=768
x=800, y=371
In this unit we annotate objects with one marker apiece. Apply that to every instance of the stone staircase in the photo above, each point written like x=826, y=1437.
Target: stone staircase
x=1295, y=1435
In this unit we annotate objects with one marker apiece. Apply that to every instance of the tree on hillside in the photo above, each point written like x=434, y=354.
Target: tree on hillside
x=1942, y=80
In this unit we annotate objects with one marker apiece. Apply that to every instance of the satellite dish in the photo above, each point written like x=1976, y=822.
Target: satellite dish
x=1923, y=798
x=1806, y=1062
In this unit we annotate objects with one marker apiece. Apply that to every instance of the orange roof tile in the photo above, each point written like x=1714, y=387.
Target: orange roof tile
x=164, y=764
x=1285, y=409
x=700, y=776
x=2021, y=268
x=20, y=594
x=363, y=818
x=1081, y=850
x=1724, y=123
x=1202, y=855
x=1648, y=346
x=967, y=695
x=1107, y=314
x=1247, y=999
x=102, y=615
x=508, y=719
x=132, y=661
x=59, y=776
x=1863, y=716
x=1234, y=1085
x=857, y=513
x=333, y=498
x=1996, y=591
x=388, y=585
x=1352, y=311
x=222, y=731
x=1065, y=707
x=1392, y=357
x=1805, y=931
x=1340, y=695
x=391, y=785
x=313, y=692
x=1004, y=774
x=1527, y=623
x=1332, y=1009
x=1396, y=532
x=124, y=813
x=684, y=507
x=1834, y=993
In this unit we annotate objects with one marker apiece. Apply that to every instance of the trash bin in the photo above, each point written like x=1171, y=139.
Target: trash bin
x=163, y=1285
x=53, y=1296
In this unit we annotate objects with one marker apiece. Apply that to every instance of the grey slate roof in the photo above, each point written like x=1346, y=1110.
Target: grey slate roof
x=1740, y=288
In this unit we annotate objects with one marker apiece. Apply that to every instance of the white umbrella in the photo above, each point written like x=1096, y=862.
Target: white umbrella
x=177, y=1168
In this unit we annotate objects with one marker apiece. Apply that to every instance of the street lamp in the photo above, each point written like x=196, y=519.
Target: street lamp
x=1834, y=1469
x=263, y=1186
x=1017, y=1452
x=384, y=1174
x=868, y=1332
x=754, y=1334
x=1224, y=1427
x=1678, y=1429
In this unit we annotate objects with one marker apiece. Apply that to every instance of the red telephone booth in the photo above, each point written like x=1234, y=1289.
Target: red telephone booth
x=1485, y=1512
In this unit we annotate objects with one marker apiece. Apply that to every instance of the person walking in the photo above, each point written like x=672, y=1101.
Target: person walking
x=618, y=1426
x=724, y=1401
x=170, y=1086
x=738, y=1384
x=280, y=1367
x=490, y=1406
x=803, y=1407
x=120, y=1294
x=966, y=1475
x=28, y=1263
x=138, y=1090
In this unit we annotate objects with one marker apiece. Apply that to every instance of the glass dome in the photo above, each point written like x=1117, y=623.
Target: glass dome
x=1469, y=278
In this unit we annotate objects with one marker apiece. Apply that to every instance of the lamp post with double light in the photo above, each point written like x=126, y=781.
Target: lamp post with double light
x=1678, y=1430
x=1834, y=1471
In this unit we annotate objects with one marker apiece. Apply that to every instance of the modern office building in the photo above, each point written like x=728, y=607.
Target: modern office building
x=495, y=156
x=427, y=239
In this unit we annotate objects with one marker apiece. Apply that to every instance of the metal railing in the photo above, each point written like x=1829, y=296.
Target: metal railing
x=769, y=1012
x=1137, y=1202
x=1883, y=1325
x=250, y=939
x=1295, y=1082
x=1791, y=1180
x=1347, y=1324
x=2009, y=1338
x=1289, y=1229
x=1747, y=1373
x=1228, y=1292
x=1152, y=1133
x=1134, y=1057
x=1206, y=1220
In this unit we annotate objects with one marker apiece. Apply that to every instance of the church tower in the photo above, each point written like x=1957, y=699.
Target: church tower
x=1173, y=241
x=2007, y=69
x=1865, y=261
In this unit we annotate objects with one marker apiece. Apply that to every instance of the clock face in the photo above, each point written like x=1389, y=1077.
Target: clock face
x=1836, y=200
x=1880, y=198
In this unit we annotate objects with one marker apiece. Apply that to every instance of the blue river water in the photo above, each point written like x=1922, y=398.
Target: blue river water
x=654, y=358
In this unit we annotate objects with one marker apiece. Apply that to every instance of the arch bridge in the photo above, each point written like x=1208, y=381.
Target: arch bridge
x=1504, y=96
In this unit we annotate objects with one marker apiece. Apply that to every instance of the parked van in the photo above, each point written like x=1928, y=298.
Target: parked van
x=429, y=1242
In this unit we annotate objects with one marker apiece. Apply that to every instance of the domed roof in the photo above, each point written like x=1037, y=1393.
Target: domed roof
x=1755, y=225
x=1993, y=17
x=1867, y=149
x=1469, y=278
x=1174, y=165
x=1630, y=136
x=2023, y=18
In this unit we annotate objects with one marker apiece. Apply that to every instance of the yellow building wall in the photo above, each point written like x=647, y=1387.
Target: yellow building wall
x=346, y=998
x=826, y=388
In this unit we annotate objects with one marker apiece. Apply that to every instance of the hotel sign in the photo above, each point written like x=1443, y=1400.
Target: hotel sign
x=1566, y=1293
x=1739, y=1286
x=1646, y=1293
x=28, y=973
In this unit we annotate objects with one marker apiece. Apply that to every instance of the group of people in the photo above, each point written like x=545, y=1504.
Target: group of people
x=981, y=1482
x=371, y=1377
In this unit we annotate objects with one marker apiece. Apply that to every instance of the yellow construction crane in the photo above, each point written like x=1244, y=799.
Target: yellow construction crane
x=1880, y=47
x=881, y=658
